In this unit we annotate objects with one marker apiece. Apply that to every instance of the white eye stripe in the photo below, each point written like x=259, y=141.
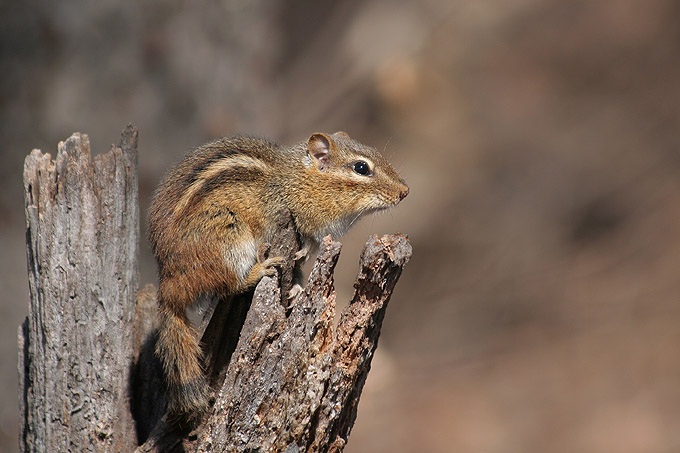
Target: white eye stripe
x=370, y=163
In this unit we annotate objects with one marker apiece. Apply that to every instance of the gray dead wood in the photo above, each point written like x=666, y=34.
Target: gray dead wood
x=76, y=345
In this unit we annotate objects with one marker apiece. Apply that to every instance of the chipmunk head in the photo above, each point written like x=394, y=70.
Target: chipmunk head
x=348, y=179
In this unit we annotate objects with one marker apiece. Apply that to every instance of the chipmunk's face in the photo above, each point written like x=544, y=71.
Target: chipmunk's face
x=352, y=179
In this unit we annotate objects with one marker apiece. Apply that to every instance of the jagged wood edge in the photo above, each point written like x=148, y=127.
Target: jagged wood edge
x=381, y=264
x=76, y=344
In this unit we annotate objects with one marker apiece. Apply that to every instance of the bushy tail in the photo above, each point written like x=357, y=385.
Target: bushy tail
x=179, y=351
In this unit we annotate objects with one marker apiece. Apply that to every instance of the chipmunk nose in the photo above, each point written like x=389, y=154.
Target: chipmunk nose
x=403, y=192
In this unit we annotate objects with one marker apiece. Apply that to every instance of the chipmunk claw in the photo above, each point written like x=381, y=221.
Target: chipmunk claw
x=301, y=254
x=294, y=291
x=265, y=266
x=270, y=264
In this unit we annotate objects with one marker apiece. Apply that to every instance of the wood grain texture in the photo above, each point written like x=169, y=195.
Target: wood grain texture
x=76, y=345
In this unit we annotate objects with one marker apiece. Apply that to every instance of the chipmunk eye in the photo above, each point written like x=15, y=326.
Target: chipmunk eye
x=361, y=168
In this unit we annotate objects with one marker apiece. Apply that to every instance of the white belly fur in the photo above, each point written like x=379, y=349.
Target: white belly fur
x=243, y=257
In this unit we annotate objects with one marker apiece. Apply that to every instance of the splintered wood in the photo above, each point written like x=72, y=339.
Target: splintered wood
x=76, y=345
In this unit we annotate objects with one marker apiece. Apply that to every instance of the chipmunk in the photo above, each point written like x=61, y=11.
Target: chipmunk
x=214, y=211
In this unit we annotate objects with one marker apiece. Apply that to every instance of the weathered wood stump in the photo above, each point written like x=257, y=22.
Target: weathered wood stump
x=76, y=345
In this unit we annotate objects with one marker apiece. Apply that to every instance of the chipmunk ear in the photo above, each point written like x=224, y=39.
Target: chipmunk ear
x=342, y=134
x=319, y=145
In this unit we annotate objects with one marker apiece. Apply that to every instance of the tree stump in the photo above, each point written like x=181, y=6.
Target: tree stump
x=284, y=378
x=76, y=345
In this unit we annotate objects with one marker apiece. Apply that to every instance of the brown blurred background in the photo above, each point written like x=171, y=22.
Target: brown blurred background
x=540, y=139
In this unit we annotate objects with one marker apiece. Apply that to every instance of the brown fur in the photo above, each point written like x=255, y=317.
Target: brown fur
x=213, y=210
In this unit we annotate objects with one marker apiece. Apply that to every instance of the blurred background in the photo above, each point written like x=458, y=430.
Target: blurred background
x=540, y=138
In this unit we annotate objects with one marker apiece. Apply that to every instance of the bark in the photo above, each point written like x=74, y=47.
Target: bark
x=284, y=378
x=76, y=345
x=293, y=382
